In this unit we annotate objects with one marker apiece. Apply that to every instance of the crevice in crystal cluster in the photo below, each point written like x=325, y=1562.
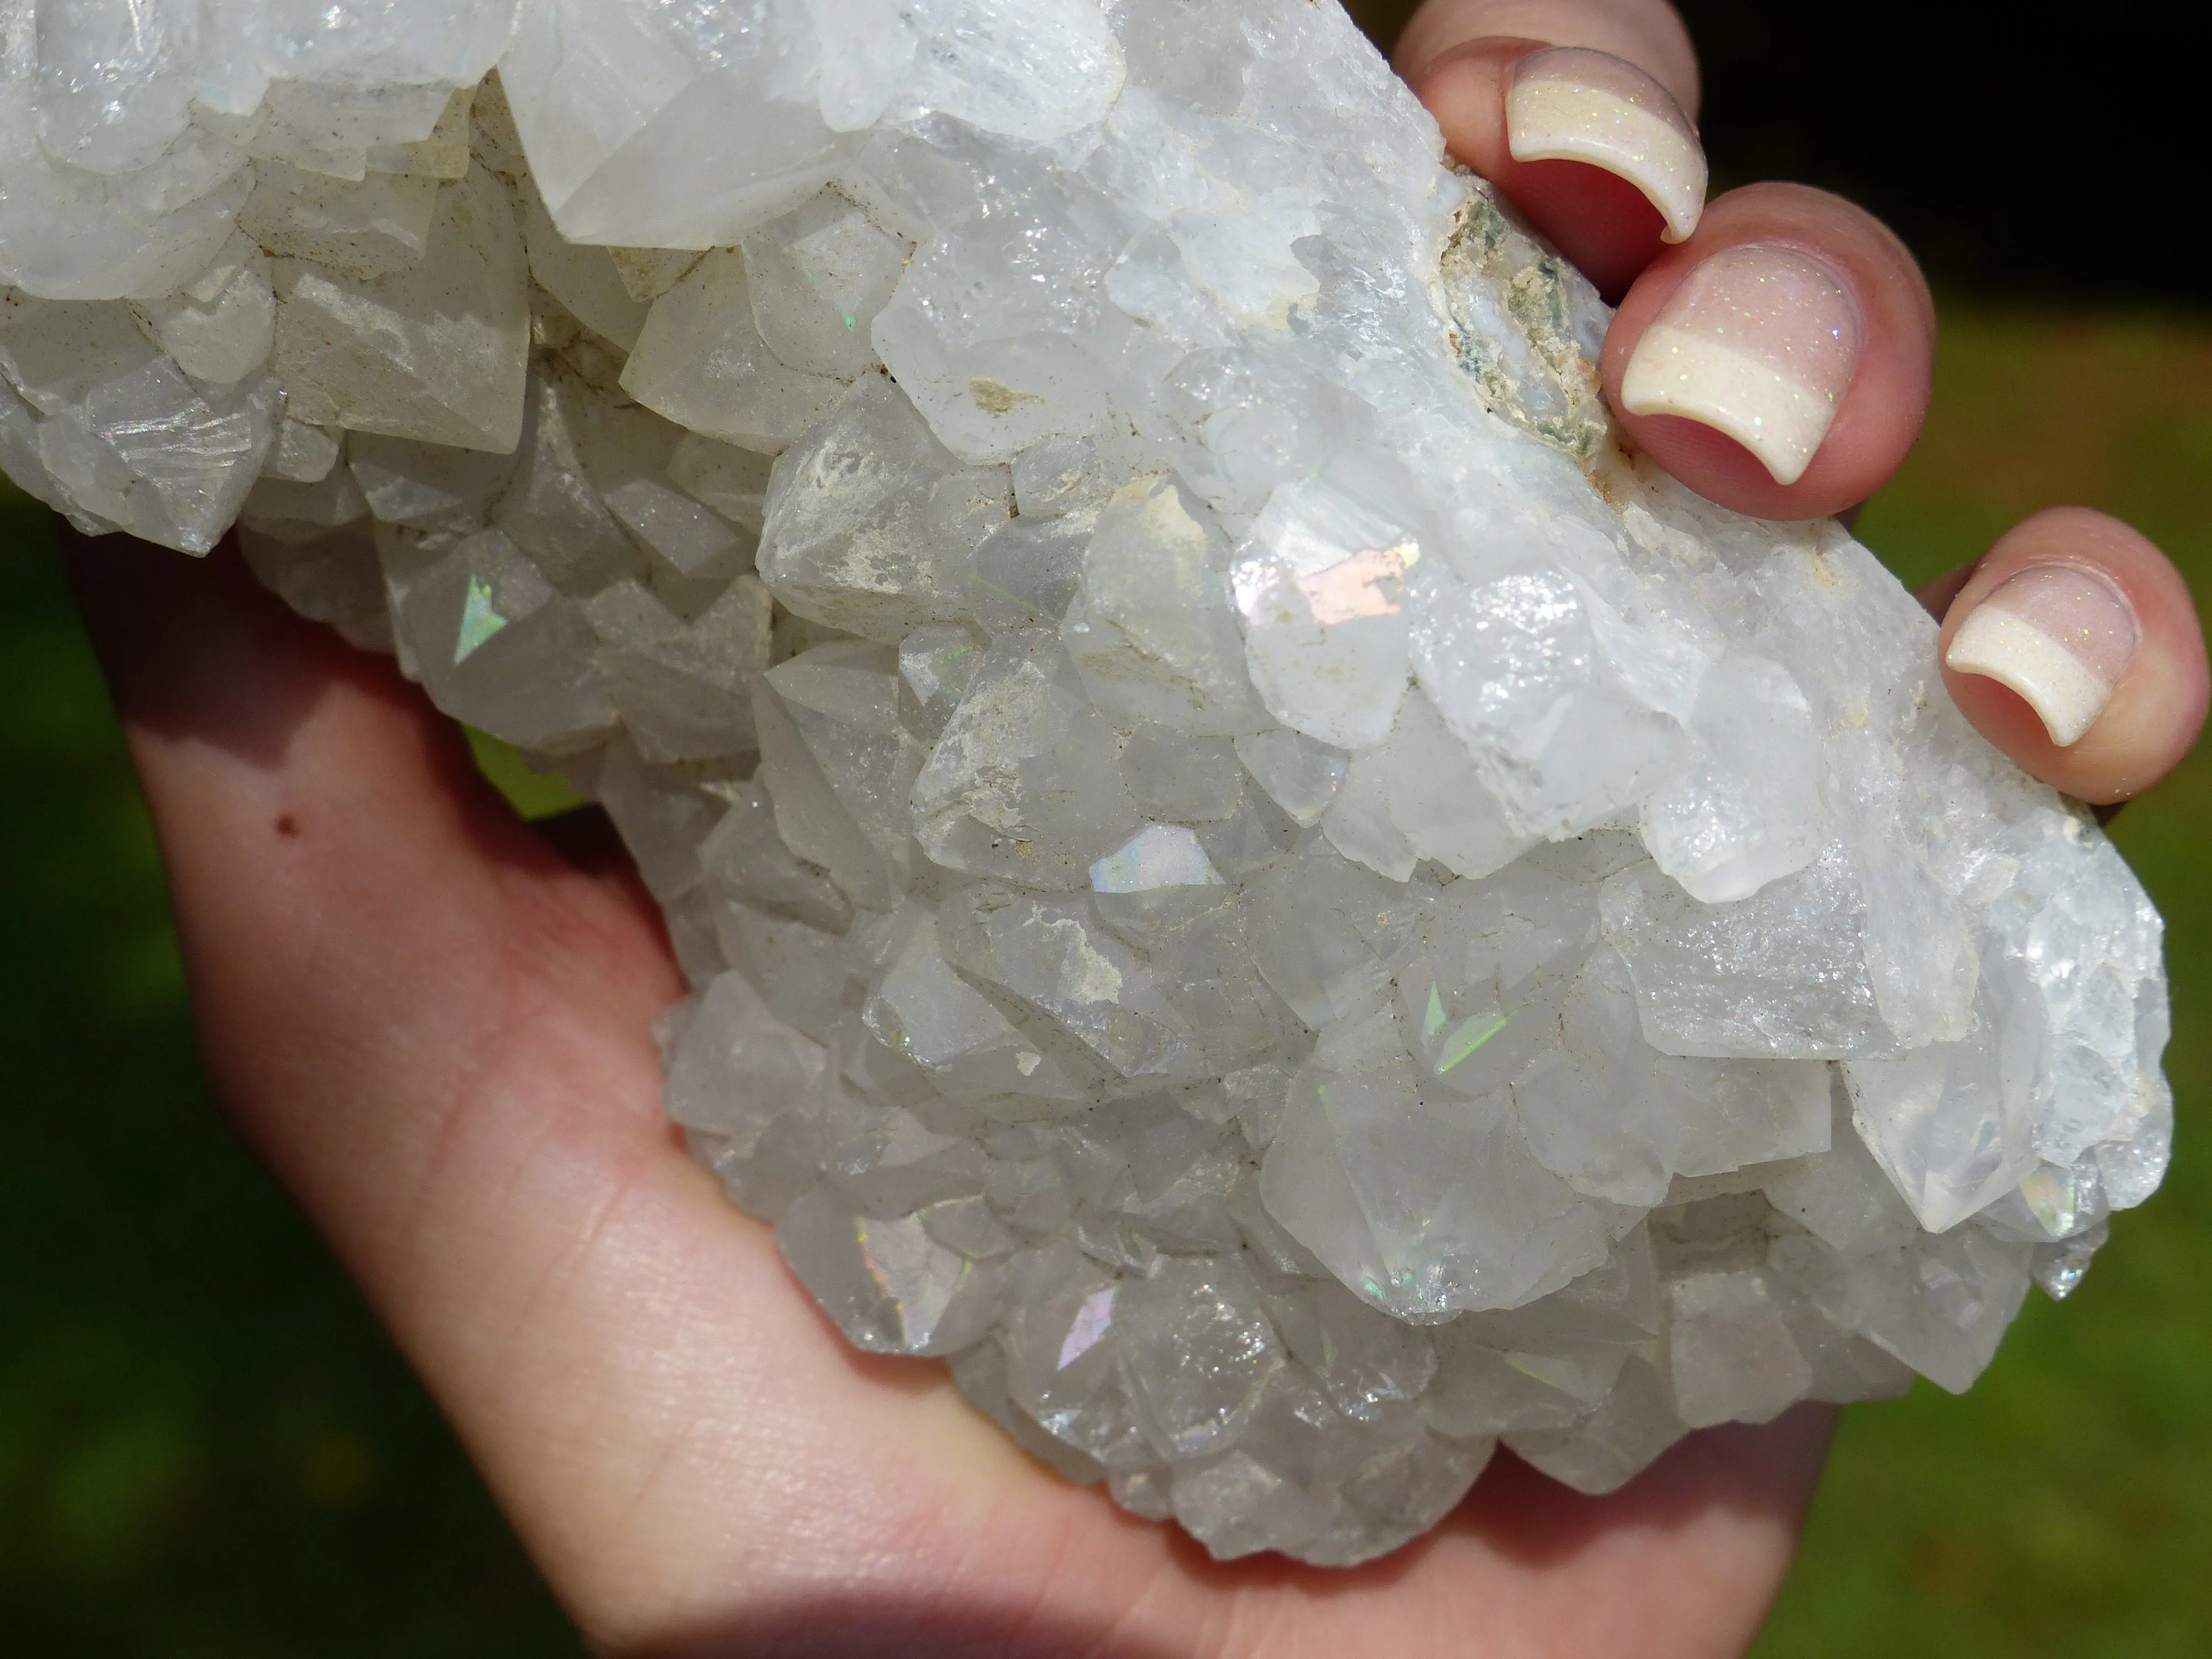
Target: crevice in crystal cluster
x=1250, y=876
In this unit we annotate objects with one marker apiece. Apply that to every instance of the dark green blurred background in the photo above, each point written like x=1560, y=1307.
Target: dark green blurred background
x=208, y=1448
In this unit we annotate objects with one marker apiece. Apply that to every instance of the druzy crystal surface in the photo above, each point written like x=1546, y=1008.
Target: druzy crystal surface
x=1252, y=876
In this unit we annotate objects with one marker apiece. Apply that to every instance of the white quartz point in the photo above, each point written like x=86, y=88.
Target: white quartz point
x=1938, y=1302
x=648, y=273
x=1359, y=825
x=733, y=482
x=1199, y=273
x=682, y=536
x=1022, y=785
x=1777, y=974
x=890, y=1286
x=1319, y=583
x=817, y=277
x=353, y=74
x=1946, y=1123
x=1613, y=1444
x=1782, y=973
x=432, y=488
x=1438, y=798
x=1323, y=927
x=366, y=228
x=1047, y=952
x=869, y=522
x=1841, y=1196
x=1420, y=1208
x=1746, y=809
x=1158, y=855
x=584, y=279
x=961, y=1038
x=436, y=352
x=115, y=83
x=1150, y=630
x=839, y=766
x=646, y=131
x=699, y=360
x=1519, y=669
x=684, y=689
x=101, y=424
x=219, y=328
x=1300, y=775
x=301, y=452
x=347, y=131
x=66, y=233
x=1199, y=1350
x=937, y=664
x=1173, y=775
x=499, y=647
x=1731, y=1357
x=443, y=152
x=546, y=504
x=733, y=1037
x=283, y=509
x=1028, y=69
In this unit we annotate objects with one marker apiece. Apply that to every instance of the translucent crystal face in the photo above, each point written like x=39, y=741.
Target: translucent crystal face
x=1251, y=876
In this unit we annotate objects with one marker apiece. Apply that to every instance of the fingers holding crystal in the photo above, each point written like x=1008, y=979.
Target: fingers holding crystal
x=1573, y=104
x=2074, y=646
x=1649, y=33
x=1772, y=348
x=1758, y=343
x=1778, y=361
x=1583, y=113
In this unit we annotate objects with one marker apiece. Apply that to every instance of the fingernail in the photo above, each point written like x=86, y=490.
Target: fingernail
x=1758, y=343
x=2060, y=635
x=1571, y=104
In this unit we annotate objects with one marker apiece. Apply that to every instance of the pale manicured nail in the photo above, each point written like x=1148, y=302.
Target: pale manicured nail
x=1758, y=343
x=2060, y=635
x=1571, y=104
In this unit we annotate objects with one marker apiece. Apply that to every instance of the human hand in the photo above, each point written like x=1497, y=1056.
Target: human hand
x=433, y=1024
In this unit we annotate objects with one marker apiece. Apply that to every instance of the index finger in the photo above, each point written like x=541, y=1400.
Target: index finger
x=1583, y=111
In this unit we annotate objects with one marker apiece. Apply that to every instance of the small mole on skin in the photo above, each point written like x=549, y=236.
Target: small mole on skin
x=287, y=824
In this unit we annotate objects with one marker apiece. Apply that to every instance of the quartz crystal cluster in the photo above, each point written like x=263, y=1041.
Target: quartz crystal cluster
x=1252, y=876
